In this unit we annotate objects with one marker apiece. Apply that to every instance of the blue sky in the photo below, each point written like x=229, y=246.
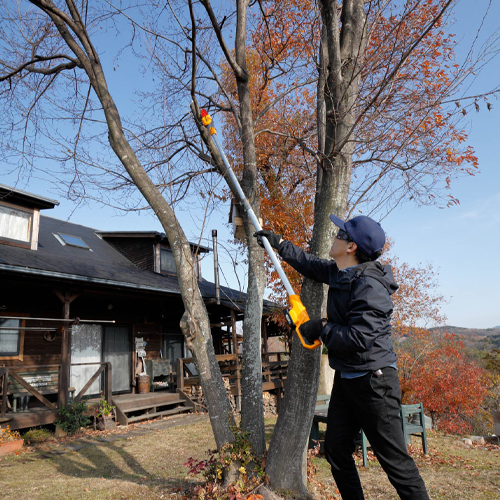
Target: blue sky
x=460, y=242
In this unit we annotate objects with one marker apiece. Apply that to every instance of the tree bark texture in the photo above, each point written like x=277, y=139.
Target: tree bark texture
x=196, y=324
x=340, y=56
x=252, y=404
x=252, y=407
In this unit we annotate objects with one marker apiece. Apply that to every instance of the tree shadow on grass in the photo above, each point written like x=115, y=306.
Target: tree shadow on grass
x=94, y=462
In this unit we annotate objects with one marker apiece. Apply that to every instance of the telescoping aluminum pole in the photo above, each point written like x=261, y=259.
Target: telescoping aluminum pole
x=297, y=315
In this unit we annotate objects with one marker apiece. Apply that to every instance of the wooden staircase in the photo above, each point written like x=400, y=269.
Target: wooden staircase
x=135, y=407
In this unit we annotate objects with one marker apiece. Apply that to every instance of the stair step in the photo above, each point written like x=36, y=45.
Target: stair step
x=148, y=403
x=148, y=407
x=147, y=416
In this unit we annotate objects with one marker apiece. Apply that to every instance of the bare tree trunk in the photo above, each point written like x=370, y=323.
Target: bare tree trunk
x=285, y=459
x=252, y=404
x=341, y=56
x=195, y=324
x=252, y=407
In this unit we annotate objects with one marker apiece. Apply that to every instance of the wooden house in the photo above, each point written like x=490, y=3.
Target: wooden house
x=84, y=311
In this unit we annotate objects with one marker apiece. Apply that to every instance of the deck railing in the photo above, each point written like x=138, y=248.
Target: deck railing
x=274, y=368
x=19, y=374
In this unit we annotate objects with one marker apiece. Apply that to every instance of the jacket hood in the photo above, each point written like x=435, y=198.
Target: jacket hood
x=383, y=274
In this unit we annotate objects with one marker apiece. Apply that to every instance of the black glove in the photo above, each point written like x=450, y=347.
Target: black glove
x=273, y=238
x=311, y=330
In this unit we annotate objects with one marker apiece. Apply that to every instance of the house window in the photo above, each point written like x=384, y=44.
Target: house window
x=167, y=263
x=74, y=241
x=11, y=339
x=15, y=225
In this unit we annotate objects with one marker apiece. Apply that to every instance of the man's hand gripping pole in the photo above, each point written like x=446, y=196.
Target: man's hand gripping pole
x=297, y=315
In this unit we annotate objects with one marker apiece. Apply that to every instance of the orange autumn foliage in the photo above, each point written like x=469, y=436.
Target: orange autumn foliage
x=451, y=386
x=406, y=144
x=407, y=132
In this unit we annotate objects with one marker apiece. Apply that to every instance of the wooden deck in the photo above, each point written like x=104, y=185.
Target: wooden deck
x=44, y=400
x=129, y=408
x=31, y=418
x=135, y=407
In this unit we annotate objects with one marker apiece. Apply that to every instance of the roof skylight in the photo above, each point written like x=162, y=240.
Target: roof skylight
x=74, y=241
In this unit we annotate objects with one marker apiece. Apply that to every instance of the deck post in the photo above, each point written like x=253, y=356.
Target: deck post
x=264, y=336
x=266, y=361
x=236, y=361
x=62, y=399
x=180, y=374
x=108, y=389
x=64, y=370
x=66, y=299
x=4, y=376
x=65, y=356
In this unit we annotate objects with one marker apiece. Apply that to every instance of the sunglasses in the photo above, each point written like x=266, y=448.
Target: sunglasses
x=342, y=235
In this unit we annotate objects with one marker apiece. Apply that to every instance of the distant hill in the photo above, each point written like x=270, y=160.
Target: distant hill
x=458, y=330
x=484, y=339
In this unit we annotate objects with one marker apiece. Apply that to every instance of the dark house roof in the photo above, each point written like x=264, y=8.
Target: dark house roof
x=99, y=264
x=23, y=198
x=157, y=236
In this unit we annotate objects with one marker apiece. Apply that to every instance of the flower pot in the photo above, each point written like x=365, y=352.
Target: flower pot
x=11, y=446
x=143, y=384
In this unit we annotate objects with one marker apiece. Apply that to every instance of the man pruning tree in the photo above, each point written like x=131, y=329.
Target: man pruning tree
x=357, y=333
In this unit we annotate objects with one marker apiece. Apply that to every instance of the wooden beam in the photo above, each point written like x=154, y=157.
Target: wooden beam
x=64, y=369
x=180, y=374
x=264, y=336
x=108, y=379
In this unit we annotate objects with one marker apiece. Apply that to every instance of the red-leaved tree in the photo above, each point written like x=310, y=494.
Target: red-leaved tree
x=451, y=386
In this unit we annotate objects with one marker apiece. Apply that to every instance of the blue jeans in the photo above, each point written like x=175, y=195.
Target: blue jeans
x=373, y=404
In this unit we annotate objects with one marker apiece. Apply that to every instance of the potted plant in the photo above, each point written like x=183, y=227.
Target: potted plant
x=10, y=441
x=104, y=418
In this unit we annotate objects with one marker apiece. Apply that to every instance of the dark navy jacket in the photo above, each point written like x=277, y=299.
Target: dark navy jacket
x=359, y=308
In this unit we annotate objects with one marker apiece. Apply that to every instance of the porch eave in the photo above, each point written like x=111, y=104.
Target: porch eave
x=85, y=279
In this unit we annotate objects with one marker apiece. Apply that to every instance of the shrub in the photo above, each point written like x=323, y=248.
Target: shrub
x=71, y=417
x=38, y=435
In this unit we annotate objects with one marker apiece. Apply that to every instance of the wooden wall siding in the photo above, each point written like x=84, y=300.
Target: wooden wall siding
x=37, y=350
x=141, y=253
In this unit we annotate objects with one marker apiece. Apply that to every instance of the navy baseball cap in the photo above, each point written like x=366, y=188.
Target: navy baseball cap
x=365, y=232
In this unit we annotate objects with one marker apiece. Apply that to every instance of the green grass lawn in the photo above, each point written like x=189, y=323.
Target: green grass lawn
x=150, y=464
